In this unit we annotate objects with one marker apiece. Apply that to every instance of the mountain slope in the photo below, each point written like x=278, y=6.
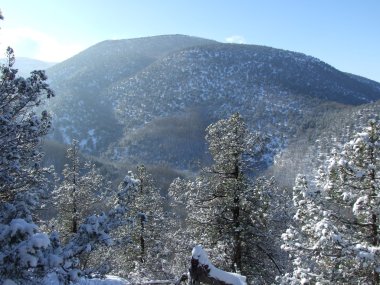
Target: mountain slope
x=308, y=150
x=109, y=61
x=81, y=109
x=26, y=65
x=149, y=100
x=274, y=90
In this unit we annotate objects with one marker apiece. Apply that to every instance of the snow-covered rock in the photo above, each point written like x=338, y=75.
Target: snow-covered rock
x=200, y=259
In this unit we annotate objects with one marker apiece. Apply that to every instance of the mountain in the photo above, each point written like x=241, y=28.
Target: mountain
x=149, y=99
x=82, y=109
x=26, y=65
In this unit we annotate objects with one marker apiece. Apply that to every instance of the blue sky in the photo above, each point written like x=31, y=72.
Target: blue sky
x=343, y=33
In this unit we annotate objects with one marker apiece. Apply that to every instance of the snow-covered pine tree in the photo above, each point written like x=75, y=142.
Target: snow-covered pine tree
x=97, y=235
x=144, y=257
x=227, y=212
x=353, y=184
x=309, y=234
x=340, y=235
x=21, y=130
x=81, y=193
x=23, y=248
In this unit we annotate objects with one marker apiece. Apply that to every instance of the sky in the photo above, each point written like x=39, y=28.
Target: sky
x=342, y=33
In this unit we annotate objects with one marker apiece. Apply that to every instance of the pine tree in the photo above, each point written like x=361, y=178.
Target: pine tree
x=80, y=194
x=226, y=211
x=144, y=257
x=23, y=248
x=99, y=235
x=311, y=232
x=21, y=129
x=338, y=232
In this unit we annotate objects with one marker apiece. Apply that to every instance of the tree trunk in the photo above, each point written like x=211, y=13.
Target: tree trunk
x=374, y=218
x=142, y=239
x=236, y=260
x=237, y=248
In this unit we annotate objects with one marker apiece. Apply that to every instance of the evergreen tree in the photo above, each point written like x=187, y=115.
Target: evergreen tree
x=23, y=248
x=96, y=236
x=311, y=232
x=339, y=232
x=21, y=129
x=226, y=211
x=81, y=193
x=144, y=257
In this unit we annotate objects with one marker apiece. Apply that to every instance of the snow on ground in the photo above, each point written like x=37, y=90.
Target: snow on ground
x=52, y=279
x=109, y=280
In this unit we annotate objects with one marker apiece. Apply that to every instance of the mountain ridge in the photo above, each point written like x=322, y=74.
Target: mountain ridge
x=115, y=93
x=25, y=65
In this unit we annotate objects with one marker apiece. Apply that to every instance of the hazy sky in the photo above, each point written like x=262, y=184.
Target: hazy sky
x=343, y=33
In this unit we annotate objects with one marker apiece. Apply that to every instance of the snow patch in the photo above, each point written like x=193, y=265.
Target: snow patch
x=22, y=226
x=109, y=280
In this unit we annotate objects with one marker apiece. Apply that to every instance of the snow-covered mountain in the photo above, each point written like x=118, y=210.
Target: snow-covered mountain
x=150, y=99
x=83, y=108
x=26, y=65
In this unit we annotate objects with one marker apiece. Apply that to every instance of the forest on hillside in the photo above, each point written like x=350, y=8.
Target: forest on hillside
x=176, y=159
x=77, y=223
